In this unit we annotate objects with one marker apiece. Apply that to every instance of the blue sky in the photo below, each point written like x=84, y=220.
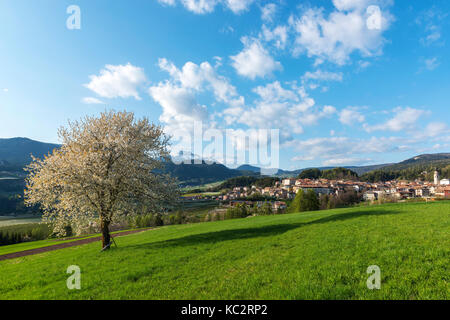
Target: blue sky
x=346, y=82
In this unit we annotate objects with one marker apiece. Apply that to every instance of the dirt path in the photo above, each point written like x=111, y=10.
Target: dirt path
x=63, y=245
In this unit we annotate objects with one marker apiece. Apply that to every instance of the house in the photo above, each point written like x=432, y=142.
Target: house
x=447, y=192
x=370, y=196
x=289, y=182
x=440, y=192
x=422, y=192
x=279, y=206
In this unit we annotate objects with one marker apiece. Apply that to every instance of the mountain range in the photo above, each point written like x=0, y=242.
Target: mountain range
x=15, y=153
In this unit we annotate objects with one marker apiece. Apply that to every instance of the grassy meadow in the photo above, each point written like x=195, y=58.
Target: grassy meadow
x=314, y=255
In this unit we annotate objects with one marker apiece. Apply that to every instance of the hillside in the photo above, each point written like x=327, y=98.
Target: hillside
x=16, y=152
x=437, y=159
x=198, y=174
x=317, y=255
x=420, y=167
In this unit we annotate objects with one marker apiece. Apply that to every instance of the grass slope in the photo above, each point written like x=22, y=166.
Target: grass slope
x=319, y=255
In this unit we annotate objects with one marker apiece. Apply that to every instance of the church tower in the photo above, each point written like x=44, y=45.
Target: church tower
x=436, y=177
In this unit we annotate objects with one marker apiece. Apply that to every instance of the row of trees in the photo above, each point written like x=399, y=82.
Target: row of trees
x=240, y=211
x=25, y=232
x=246, y=181
x=331, y=174
x=309, y=201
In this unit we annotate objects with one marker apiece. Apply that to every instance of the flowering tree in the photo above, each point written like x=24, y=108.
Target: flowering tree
x=106, y=167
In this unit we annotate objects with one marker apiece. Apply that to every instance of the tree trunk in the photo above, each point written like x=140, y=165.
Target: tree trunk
x=106, y=238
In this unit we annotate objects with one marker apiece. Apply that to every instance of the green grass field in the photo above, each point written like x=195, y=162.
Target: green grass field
x=316, y=255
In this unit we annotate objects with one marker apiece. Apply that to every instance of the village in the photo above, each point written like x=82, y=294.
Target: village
x=286, y=189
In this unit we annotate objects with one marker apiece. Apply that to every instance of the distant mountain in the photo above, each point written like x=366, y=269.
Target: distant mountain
x=196, y=174
x=437, y=159
x=18, y=151
x=364, y=169
x=247, y=167
x=15, y=153
x=359, y=170
x=424, y=161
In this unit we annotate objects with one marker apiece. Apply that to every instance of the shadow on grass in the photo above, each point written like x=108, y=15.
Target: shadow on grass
x=247, y=233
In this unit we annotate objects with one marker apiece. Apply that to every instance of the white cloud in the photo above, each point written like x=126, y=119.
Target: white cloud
x=404, y=119
x=436, y=129
x=208, y=6
x=180, y=107
x=312, y=79
x=117, y=81
x=200, y=77
x=286, y=109
x=345, y=5
x=91, y=100
x=178, y=95
x=5, y=90
x=200, y=6
x=279, y=35
x=302, y=158
x=431, y=22
x=350, y=28
x=167, y=2
x=320, y=75
x=254, y=60
x=350, y=116
x=238, y=6
x=346, y=161
x=431, y=64
x=363, y=64
x=268, y=11
x=275, y=92
x=346, y=148
x=335, y=151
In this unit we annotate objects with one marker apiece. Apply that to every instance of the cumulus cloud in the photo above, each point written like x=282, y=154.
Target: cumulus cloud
x=202, y=77
x=117, y=81
x=167, y=2
x=346, y=161
x=350, y=116
x=345, y=148
x=91, y=100
x=254, y=60
x=208, y=6
x=404, y=119
x=436, y=129
x=268, y=11
x=180, y=107
x=320, y=75
x=238, y=6
x=354, y=26
x=278, y=35
x=178, y=95
x=286, y=109
x=313, y=80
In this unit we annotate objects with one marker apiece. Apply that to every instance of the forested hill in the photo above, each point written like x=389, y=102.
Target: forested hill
x=15, y=153
x=437, y=159
x=420, y=167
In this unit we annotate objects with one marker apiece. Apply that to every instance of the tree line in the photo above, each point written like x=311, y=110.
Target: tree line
x=330, y=174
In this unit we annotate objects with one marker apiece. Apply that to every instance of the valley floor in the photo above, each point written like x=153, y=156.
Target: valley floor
x=315, y=255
